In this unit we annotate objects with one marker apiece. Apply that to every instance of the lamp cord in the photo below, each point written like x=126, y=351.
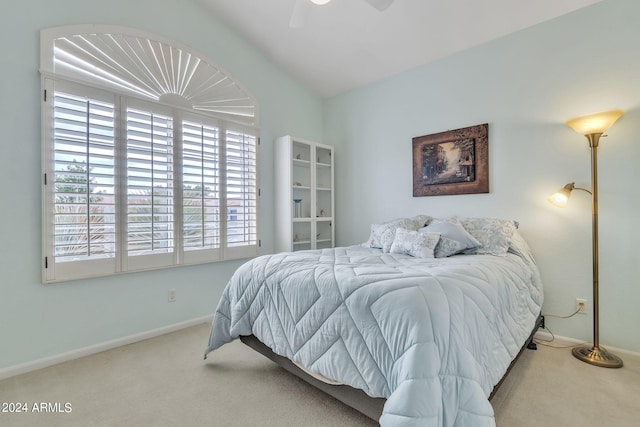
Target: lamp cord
x=546, y=343
x=563, y=317
x=553, y=337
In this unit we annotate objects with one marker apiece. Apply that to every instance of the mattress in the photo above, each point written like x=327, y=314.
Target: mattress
x=433, y=336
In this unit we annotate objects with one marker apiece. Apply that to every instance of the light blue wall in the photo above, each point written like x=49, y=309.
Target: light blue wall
x=525, y=86
x=38, y=321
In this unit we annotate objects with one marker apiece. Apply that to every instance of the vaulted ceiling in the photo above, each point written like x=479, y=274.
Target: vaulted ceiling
x=345, y=44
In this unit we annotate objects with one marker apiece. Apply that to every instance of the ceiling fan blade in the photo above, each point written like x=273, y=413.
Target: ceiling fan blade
x=300, y=14
x=380, y=4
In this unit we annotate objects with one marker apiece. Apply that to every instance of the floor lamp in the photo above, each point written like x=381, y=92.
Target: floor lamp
x=592, y=126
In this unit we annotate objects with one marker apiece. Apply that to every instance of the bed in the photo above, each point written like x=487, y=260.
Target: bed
x=408, y=328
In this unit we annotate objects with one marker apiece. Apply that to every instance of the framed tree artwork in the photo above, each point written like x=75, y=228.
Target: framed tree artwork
x=452, y=162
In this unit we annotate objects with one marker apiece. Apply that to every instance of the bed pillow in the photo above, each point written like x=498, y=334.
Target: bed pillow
x=453, y=237
x=520, y=247
x=421, y=220
x=414, y=243
x=493, y=233
x=382, y=234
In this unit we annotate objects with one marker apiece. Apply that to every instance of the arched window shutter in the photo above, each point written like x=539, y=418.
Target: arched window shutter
x=150, y=155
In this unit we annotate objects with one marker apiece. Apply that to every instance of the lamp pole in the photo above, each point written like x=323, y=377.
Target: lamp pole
x=595, y=355
x=594, y=139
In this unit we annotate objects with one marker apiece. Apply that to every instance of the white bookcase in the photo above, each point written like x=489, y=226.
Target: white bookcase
x=303, y=173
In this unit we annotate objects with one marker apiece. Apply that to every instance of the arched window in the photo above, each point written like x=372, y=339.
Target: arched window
x=149, y=155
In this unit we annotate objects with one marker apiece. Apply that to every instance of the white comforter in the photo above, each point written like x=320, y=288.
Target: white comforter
x=433, y=336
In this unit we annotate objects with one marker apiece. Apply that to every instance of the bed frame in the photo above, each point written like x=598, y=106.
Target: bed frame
x=355, y=398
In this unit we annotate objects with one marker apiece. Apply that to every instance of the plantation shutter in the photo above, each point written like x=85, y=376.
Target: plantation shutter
x=149, y=155
x=241, y=186
x=81, y=200
x=200, y=190
x=150, y=186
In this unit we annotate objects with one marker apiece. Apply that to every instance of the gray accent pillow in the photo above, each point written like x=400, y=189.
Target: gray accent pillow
x=414, y=243
x=453, y=237
x=493, y=233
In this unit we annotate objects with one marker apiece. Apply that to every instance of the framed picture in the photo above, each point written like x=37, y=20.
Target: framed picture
x=452, y=162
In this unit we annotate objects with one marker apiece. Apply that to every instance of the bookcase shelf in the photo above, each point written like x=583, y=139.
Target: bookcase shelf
x=303, y=172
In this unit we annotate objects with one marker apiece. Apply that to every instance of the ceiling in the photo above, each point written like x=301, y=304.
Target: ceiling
x=348, y=43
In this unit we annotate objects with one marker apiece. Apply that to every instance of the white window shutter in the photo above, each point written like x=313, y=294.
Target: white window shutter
x=149, y=182
x=200, y=190
x=150, y=156
x=80, y=200
x=241, y=192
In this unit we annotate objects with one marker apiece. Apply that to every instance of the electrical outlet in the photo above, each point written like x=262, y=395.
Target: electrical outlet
x=581, y=305
x=171, y=296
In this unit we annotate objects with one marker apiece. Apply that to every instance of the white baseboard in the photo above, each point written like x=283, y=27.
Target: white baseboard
x=566, y=341
x=23, y=368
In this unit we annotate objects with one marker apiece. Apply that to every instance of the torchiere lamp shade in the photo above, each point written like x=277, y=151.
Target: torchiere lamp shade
x=594, y=123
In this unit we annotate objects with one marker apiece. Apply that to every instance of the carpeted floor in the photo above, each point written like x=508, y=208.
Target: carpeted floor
x=165, y=382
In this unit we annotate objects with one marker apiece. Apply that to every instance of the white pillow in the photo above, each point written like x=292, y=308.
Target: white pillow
x=382, y=234
x=414, y=243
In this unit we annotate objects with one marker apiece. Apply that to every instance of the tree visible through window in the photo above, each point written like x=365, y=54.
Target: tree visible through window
x=82, y=222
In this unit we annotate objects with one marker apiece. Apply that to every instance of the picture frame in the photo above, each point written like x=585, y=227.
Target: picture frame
x=451, y=162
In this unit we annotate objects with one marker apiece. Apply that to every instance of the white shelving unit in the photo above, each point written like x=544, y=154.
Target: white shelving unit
x=303, y=172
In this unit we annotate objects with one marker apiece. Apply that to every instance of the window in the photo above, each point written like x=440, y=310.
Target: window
x=135, y=182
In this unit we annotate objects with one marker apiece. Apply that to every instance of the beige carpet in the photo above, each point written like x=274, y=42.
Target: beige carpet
x=165, y=382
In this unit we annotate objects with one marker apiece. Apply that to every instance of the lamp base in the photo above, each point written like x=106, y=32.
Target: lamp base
x=597, y=356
